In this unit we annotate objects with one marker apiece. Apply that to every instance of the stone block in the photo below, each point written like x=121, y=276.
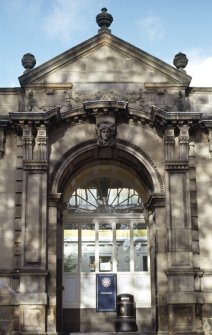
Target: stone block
x=179, y=259
x=207, y=283
x=183, y=318
x=32, y=318
x=181, y=283
x=32, y=299
x=161, y=239
x=179, y=239
x=32, y=284
x=19, y=174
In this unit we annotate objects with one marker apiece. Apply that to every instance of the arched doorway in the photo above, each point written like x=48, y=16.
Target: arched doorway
x=105, y=231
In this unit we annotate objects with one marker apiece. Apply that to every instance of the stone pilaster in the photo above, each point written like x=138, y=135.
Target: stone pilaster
x=181, y=296
x=169, y=143
x=54, y=284
x=158, y=255
x=32, y=268
x=184, y=142
x=27, y=142
x=42, y=143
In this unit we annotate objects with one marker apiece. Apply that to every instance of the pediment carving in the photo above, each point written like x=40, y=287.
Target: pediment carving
x=70, y=99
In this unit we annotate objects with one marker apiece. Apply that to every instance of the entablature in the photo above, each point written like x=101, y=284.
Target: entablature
x=175, y=118
x=120, y=110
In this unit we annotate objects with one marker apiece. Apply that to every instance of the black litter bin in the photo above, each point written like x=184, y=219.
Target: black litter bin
x=125, y=313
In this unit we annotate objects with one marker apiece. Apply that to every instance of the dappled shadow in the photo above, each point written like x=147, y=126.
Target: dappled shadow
x=31, y=262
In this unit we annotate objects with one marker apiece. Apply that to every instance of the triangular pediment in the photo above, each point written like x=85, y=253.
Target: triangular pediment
x=105, y=59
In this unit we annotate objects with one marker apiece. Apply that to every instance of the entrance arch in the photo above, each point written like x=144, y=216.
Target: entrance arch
x=79, y=169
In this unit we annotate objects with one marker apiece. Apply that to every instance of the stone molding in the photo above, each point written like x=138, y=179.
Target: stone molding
x=147, y=157
x=177, y=165
x=35, y=165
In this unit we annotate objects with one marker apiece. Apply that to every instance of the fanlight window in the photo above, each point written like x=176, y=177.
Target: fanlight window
x=105, y=196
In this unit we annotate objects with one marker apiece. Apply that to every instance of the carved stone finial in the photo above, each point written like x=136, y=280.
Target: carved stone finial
x=28, y=61
x=104, y=20
x=180, y=61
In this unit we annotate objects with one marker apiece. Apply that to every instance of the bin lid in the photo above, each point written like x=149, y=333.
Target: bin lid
x=125, y=297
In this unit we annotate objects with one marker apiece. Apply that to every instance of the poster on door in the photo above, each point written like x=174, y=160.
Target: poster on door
x=106, y=291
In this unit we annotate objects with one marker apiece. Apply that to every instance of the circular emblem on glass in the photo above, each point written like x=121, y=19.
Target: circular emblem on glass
x=106, y=282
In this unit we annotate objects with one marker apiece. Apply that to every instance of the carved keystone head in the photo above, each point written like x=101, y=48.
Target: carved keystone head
x=106, y=132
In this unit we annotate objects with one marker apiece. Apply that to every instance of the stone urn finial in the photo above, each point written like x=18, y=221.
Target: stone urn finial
x=104, y=20
x=28, y=61
x=180, y=61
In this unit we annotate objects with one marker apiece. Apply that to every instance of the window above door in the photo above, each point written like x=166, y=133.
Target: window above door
x=105, y=195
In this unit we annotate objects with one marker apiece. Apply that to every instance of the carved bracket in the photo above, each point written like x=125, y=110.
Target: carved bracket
x=117, y=109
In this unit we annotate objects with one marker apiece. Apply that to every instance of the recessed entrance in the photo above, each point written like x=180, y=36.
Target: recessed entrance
x=104, y=232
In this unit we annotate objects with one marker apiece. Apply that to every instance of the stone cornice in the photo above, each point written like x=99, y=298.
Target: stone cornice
x=46, y=86
x=196, y=272
x=35, y=116
x=172, y=86
x=207, y=123
x=11, y=90
x=101, y=105
x=176, y=165
x=175, y=117
x=23, y=272
x=4, y=122
x=199, y=90
x=116, y=108
x=35, y=165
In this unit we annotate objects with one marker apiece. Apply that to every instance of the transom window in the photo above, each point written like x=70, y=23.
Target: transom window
x=104, y=195
x=104, y=229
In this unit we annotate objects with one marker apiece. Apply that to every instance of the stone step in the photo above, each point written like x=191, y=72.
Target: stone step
x=108, y=333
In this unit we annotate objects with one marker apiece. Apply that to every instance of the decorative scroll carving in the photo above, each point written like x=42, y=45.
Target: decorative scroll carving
x=47, y=99
x=68, y=99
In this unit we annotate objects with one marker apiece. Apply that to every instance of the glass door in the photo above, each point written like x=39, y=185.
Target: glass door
x=101, y=245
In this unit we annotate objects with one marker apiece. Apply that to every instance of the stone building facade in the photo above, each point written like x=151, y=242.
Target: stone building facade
x=105, y=113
